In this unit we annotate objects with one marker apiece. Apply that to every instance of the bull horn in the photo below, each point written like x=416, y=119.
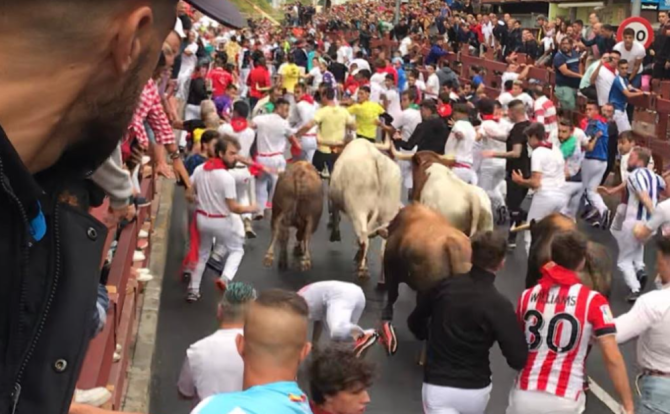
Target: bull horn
x=384, y=146
x=449, y=157
x=522, y=227
x=399, y=155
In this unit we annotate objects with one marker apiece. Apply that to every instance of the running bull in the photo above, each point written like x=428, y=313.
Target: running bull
x=297, y=202
x=597, y=273
x=467, y=207
x=422, y=248
x=365, y=184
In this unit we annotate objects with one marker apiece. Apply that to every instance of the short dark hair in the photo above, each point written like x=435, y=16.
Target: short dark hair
x=622, y=62
x=445, y=97
x=365, y=73
x=628, y=31
x=486, y=106
x=209, y=136
x=364, y=88
x=579, y=22
x=615, y=52
x=663, y=245
x=285, y=300
x=281, y=101
x=335, y=369
x=461, y=108
x=515, y=103
x=225, y=141
x=488, y=249
x=568, y=249
x=329, y=93
x=594, y=103
x=241, y=108
x=429, y=104
x=411, y=94
x=535, y=129
x=565, y=122
x=626, y=136
x=508, y=85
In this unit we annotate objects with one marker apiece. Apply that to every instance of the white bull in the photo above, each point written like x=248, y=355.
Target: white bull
x=365, y=184
x=467, y=207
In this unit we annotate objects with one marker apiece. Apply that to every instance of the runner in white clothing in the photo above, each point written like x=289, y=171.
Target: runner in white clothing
x=340, y=305
x=239, y=129
x=272, y=134
x=218, y=215
x=459, y=146
x=305, y=109
x=547, y=177
x=406, y=123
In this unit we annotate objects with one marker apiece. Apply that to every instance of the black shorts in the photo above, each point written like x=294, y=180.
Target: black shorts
x=321, y=160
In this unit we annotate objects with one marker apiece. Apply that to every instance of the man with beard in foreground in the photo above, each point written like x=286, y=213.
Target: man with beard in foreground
x=62, y=113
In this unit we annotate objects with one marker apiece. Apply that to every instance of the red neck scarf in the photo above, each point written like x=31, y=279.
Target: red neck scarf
x=490, y=118
x=239, y=124
x=553, y=274
x=545, y=144
x=214, y=164
x=610, y=68
x=307, y=98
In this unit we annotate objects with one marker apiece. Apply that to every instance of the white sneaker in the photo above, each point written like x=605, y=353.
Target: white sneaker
x=143, y=234
x=138, y=256
x=144, y=277
x=143, y=271
x=116, y=357
x=146, y=159
x=95, y=397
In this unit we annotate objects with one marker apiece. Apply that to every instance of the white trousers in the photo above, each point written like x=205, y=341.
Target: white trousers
x=592, y=175
x=622, y=121
x=406, y=172
x=466, y=174
x=244, y=89
x=266, y=183
x=309, y=145
x=490, y=177
x=573, y=191
x=228, y=234
x=631, y=254
x=543, y=204
x=447, y=400
x=342, y=317
x=538, y=402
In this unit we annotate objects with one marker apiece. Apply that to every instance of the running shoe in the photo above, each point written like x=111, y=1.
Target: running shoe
x=642, y=277
x=511, y=241
x=606, y=220
x=192, y=297
x=364, y=342
x=632, y=297
x=221, y=285
x=249, y=230
x=388, y=338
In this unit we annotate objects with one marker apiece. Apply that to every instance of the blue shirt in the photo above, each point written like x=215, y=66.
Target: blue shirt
x=402, y=79
x=477, y=80
x=275, y=398
x=646, y=181
x=617, y=97
x=572, y=60
x=434, y=55
x=600, y=150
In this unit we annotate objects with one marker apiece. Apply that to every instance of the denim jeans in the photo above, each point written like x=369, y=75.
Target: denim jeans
x=655, y=395
x=99, y=316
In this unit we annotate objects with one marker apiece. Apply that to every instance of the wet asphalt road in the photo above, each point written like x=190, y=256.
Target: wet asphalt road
x=398, y=385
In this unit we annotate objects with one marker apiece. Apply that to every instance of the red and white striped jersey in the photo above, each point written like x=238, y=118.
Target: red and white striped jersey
x=544, y=112
x=558, y=322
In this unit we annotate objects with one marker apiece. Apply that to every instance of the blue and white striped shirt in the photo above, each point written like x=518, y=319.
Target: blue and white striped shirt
x=642, y=180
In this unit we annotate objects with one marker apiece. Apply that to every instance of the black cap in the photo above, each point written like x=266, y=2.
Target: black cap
x=223, y=11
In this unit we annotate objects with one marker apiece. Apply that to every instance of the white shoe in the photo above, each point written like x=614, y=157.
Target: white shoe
x=138, y=256
x=95, y=397
x=143, y=271
x=144, y=277
x=143, y=234
x=116, y=357
x=146, y=159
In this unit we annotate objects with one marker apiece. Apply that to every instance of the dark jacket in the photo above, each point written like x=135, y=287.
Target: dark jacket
x=462, y=317
x=446, y=74
x=435, y=54
x=429, y=135
x=604, y=44
x=48, y=283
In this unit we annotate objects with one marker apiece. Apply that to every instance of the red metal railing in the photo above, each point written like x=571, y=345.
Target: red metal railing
x=99, y=369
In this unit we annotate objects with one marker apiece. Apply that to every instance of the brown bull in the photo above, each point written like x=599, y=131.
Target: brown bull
x=422, y=249
x=597, y=273
x=297, y=202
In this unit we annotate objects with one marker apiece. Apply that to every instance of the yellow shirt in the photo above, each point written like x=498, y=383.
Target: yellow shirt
x=332, y=122
x=290, y=75
x=232, y=49
x=366, y=114
x=197, y=135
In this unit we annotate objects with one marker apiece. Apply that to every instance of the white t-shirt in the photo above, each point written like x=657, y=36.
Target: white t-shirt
x=304, y=113
x=212, y=366
x=317, y=77
x=604, y=83
x=550, y=163
x=272, y=132
x=189, y=62
x=637, y=51
x=360, y=64
x=378, y=78
x=505, y=98
x=407, y=123
x=405, y=44
x=245, y=138
x=212, y=189
x=392, y=103
x=507, y=76
x=344, y=54
x=461, y=149
x=320, y=295
x=432, y=86
x=492, y=133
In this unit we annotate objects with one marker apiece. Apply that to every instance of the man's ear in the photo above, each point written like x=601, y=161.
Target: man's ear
x=132, y=30
x=239, y=342
x=306, y=349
